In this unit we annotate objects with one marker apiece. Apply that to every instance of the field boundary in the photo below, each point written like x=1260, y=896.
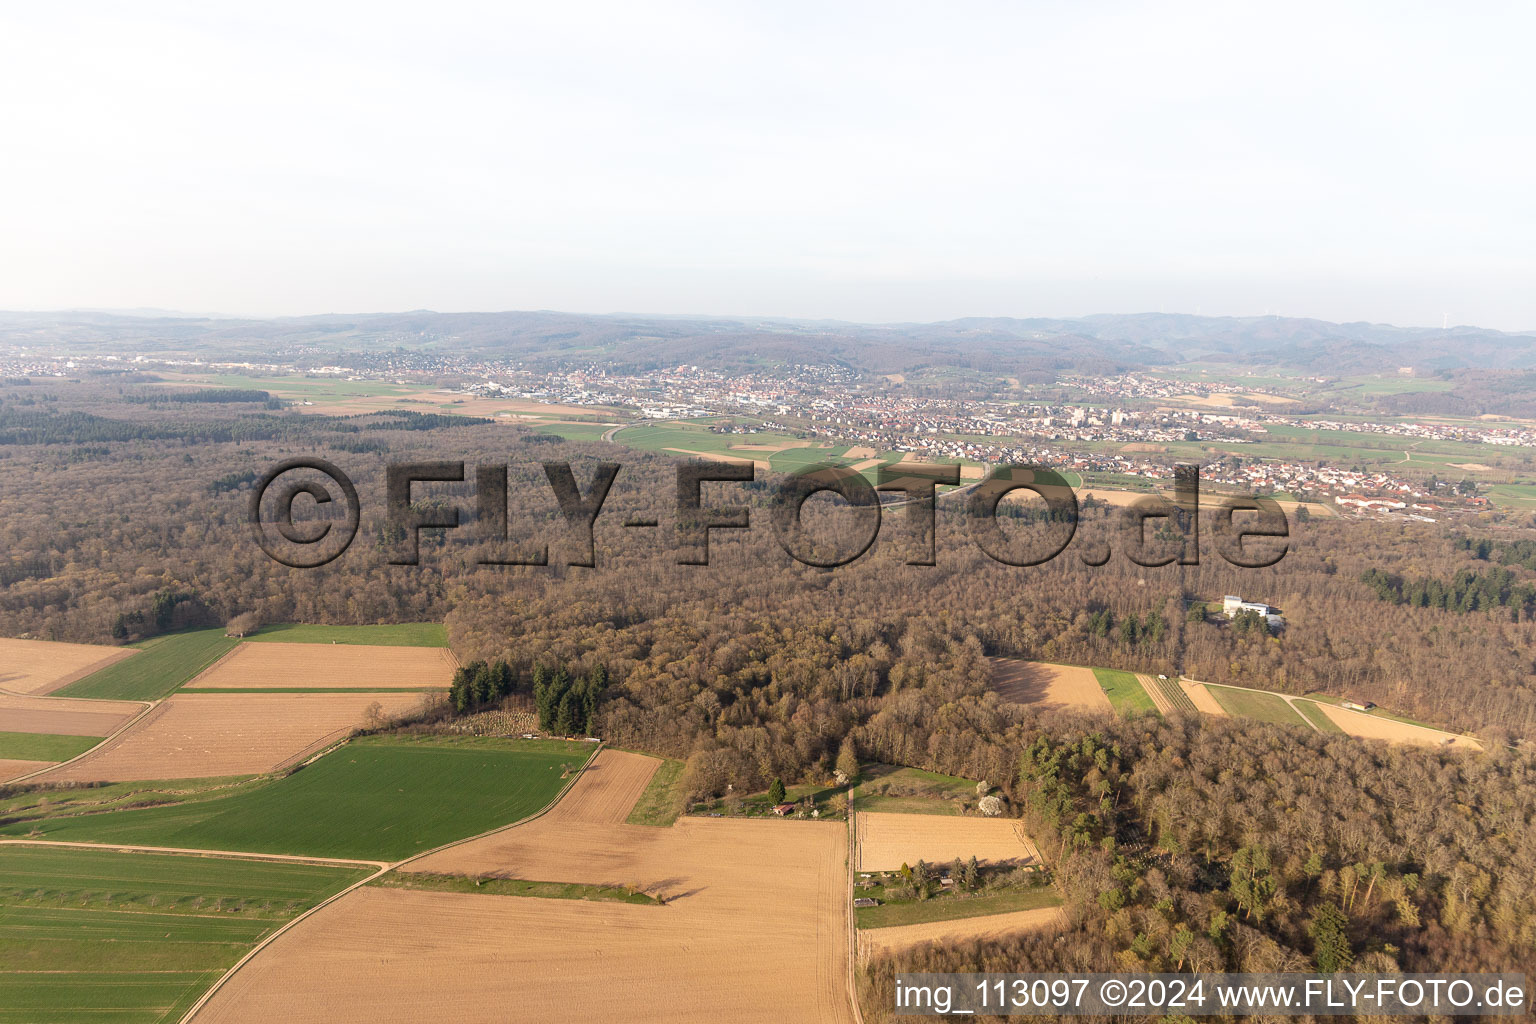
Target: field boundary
x=384, y=870
x=855, y=951
x=183, y=851
x=211, y=666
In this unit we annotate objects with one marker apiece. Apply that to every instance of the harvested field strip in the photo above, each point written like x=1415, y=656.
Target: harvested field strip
x=1176, y=696
x=172, y=923
x=1314, y=714
x=891, y=915
x=33, y=746
x=662, y=801
x=1124, y=691
x=330, y=666
x=887, y=841
x=608, y=788
x=42, y=666
x=161, y=665
x=203, y=735
x=1372, y=727
x=1202, y=698
x=1266, y=707
x=64, y=717
x=890, y=940
x=400, y=797
x=482, y=885
x=400, y=634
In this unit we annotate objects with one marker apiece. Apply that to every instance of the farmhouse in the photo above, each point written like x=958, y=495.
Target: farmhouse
x=1233, y=606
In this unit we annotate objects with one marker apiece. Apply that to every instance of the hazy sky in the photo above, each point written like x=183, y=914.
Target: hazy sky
x=873, y=162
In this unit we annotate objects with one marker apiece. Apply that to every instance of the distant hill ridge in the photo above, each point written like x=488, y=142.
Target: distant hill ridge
x=1101, y=343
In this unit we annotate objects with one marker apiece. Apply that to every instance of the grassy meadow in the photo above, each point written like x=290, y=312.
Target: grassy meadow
x=377, y=798
x=399, y=634
x=162, y=664
x=94, y=935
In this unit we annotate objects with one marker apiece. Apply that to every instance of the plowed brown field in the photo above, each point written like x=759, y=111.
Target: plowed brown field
x=193, y=735
x=10, y=769
x=41, y=666
x=905, y=936
x=740, y=894
x=356, y=666
x=887, y=841
x=1035, y=682
x=64, y=717
x=1373, y=727
x=1202, y=698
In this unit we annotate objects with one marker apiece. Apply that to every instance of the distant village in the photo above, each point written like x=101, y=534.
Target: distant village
x=1122, y=436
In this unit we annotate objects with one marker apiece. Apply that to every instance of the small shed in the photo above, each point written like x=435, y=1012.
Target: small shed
x=866, y=901
x=783, y=810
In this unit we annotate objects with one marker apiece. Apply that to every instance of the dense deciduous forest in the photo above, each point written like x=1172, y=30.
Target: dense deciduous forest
x=1210, y=845
x=96, y=536
x=1183, y=843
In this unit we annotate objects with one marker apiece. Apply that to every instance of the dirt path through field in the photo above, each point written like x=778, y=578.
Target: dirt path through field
x=11, y=768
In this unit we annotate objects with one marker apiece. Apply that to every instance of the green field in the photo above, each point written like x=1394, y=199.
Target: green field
x=162, y=664
x=1266, y=707
x=483, y=886
x=89, y=935
x=39, y=801
x=893, y=790
x=38, y=746
x=400, y=634
x=379, y=798
x=1125, y=692
x=575, y=431
x=952, y=908
x=663, y=799
x=1314, y=714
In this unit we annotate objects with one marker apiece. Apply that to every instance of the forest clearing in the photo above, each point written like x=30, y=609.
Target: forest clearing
x=1036, y=682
